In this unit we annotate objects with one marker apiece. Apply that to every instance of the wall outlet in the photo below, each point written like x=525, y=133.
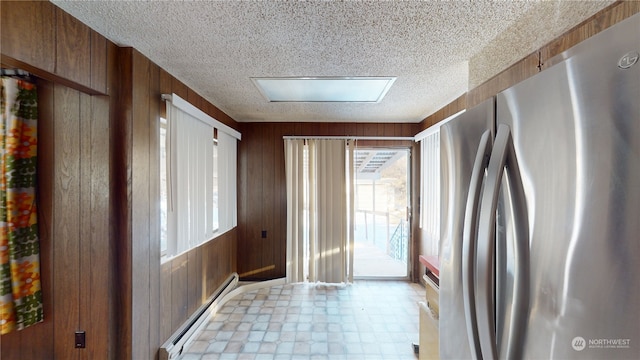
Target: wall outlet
x=80, y=339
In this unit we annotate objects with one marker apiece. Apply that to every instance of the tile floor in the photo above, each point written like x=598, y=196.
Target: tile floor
x=365, y=320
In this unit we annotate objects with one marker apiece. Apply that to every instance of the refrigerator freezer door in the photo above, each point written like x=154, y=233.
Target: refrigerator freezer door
x=576, y=133
x=459, y=140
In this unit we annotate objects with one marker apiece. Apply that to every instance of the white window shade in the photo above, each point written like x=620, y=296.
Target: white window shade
x=189, y=168
x=188, y=108
x=192, y=217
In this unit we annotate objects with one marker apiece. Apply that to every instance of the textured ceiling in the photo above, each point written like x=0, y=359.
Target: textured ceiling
x=215, y=47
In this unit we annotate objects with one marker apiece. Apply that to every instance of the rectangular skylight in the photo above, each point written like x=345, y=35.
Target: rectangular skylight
x=324, y=89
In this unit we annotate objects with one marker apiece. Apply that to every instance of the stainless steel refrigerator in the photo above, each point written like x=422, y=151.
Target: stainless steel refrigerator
x=540, y=220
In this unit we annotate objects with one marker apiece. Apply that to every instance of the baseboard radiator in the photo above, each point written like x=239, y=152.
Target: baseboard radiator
x=173, y=347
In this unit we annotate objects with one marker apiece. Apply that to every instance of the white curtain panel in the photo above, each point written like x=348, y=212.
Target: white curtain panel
x=328, y=211
x=351, y=194
x=319, y=237
x=294, y=171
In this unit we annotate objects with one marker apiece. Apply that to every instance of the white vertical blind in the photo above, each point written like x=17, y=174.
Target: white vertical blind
x=227, y=194
x=430, y=190
x=191, y=215
x=191, y=167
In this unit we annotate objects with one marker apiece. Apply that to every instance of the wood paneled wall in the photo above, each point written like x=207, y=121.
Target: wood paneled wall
x=262, y=188
x=99, y=197
x=76, y=256
x=450, y=109
x=40, y=38
x=157, y=298
x=77, y=266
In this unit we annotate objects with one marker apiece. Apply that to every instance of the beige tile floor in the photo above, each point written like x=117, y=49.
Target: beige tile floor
x=365, y=320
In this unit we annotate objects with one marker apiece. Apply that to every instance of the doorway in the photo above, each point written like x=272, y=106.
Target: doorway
x=381, y=222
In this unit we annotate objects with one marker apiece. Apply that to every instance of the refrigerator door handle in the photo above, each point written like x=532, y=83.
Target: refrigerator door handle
x=502, y=157
x=521, y=285
x=469, y=236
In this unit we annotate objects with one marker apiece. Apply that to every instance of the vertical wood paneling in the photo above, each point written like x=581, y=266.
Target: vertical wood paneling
x=73, y=172
x=279, y=235
x=195, y=99
x=390, y=129
x=180, y=89
x=120, y=319
x=73, y=49
x=522, y=70
x=66, y=221
x=165, y=312
x=269, y=245
x=85, y=221
x=255, y=212
x=179, y=293
x=243, y=196
x=121, y=198
x=350, y=129
x=140, y=208
x=35, y=24
x=98, y=62
x=207, y=268
x=99, y=252
x=452, y=108
x=194, y=280
x=186, y=281
x=155, y=106
x=40, y=344
x=249, y=252
x=36, y=342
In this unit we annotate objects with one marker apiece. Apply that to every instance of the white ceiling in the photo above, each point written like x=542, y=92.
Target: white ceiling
x=215, y=47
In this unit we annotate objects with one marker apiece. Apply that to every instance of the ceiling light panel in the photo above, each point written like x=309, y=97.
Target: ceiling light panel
x=324, y=89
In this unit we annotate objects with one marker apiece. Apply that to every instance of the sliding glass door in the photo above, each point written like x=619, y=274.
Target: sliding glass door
x=381, y=213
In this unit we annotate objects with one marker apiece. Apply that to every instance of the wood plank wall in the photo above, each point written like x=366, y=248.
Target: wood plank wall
x=262, y=187
x=40, y=38
x=160, y=297
x=73, y=164
x=77, y=267
x=98, y=159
